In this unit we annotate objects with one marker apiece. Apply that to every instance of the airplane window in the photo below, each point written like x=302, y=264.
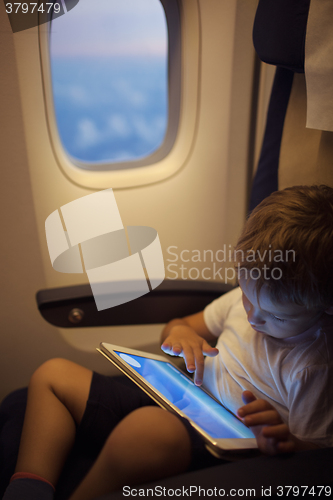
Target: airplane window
x=109, y=69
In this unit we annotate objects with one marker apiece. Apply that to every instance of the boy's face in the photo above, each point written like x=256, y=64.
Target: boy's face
x=277, y=320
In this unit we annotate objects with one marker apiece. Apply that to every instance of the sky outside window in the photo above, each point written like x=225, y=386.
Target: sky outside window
x=109, y=75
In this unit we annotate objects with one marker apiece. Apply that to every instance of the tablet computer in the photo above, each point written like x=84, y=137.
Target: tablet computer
x=223, y=432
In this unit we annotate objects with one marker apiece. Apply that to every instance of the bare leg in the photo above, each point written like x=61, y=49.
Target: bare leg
x=148, y=444
x=57, y=396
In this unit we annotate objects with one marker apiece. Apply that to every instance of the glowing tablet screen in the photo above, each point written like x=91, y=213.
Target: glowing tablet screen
x=187, y=397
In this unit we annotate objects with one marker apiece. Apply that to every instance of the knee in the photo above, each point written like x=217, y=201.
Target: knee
x=48, y=373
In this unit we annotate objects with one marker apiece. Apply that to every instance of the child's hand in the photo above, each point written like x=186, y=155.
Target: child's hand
x=272, y=434
x=184, y=341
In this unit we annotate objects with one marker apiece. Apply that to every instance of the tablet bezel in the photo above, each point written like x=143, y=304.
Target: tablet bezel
x=219, y=447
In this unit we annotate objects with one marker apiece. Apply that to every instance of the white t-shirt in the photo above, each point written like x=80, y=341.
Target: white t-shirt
x=295, y=375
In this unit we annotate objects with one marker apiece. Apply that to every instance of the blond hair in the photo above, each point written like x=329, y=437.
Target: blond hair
x=287, y=244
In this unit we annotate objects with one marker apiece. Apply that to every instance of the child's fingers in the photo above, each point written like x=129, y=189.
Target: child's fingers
x=195, y=361
x=166, y=347
x=269, y=417
x=193, y=352
x=272, y=434
x=248, y=397
x=279, y=432
x=258, y=405
x=189, y=358
x=172, y=349
x=177, y=349
x=199, y=366
x=209, y=350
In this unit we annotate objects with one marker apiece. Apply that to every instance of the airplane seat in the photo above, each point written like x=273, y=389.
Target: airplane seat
x=298, y=140
x=12, y=411
x=171, y=299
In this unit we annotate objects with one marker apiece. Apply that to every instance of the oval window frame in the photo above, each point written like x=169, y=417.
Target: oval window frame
x=182, y=17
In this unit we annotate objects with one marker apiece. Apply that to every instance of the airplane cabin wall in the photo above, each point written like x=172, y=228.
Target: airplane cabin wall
x=200, y=207
x=26, y=339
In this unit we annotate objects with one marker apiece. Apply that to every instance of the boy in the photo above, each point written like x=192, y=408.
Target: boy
x=275, y=354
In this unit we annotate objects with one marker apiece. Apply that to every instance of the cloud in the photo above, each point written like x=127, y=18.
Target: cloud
x=74, y=93
x=87, y=134
x=149, y=131
x=128, y=92
x=78, y=95
x=123, y=128
x=118, y=125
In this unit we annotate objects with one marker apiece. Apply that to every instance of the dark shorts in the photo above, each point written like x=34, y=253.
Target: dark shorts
x=110, y=400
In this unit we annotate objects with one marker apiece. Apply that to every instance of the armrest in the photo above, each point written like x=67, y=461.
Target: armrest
x=74, y=306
